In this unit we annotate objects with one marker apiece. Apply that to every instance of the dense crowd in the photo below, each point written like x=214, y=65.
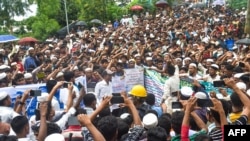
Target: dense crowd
x=195, y=44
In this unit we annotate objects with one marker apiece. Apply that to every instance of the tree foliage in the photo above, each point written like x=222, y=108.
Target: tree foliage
x=11, y=8
x=237, y=4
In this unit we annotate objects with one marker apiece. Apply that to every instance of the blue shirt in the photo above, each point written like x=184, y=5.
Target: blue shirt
x=28, y=62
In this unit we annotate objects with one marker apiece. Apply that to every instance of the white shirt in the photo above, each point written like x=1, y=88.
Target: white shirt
x=7, y=114
x=102, y=89
x=172, y=84
x=210, y=79
x=64, y=95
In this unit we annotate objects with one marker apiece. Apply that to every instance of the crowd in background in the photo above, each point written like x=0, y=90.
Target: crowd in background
x=197, y=44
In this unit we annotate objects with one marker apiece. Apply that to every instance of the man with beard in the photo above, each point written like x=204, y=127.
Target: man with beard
x=30, y=60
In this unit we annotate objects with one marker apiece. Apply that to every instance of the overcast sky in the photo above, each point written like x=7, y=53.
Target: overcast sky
x=28, y=14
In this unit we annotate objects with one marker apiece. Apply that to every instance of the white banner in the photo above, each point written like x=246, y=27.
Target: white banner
x=118, y=84
x=133, y=77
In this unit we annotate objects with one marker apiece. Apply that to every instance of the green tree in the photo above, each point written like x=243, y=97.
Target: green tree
x=247, y=25
x=44, y=26
x=237, y=4
x=11, y=8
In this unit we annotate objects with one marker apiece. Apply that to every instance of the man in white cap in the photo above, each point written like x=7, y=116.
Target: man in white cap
x=212, y=74
x=28, y=78
x=6, y=112
x=193, y=71
x=30, y=60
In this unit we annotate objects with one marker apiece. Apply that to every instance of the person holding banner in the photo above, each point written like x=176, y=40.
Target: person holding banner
x=171, y=86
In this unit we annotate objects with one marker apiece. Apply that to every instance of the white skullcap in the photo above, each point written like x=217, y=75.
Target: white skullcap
x=200, y=95
x=57, y=48
x=88, y=70
x=210, y=60
x=150, y=120
x=241, y=86
x=75, y=68
x=44, y=97
x=30, y=48
x=124, y=115
x=2, y=75
x=13, y=64
x=229, y=60
x=131, y=60
x=120, y=38
x=137, y=55
x=47, y=51
x=27, y=75
x=3, y=95
x=4, y=67
x=238, y=75
x=1, y=50
x=187, y=91
x=119, y=61
x=215, y=66
x=59, y=74
x=53, y=58
x=193, y=65
x=55, y=137
x=152, y=35
x=178, y=59
x=149, y=58
x=50, y=45
x=187, y=58
x=248, y=92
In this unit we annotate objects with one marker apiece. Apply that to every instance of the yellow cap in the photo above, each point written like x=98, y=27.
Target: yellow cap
x=139, y=91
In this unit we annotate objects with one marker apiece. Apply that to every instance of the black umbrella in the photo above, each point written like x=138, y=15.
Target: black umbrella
x=245, y=41
x=161, y=3
x=96, y=21
x=81, y=23
x=63, y=31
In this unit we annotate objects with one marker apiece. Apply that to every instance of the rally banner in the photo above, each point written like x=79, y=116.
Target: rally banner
x=118, y=84
x=133, y=77
x=154, y=84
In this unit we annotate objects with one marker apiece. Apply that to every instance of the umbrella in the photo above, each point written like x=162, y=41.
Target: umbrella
x=81, y=23
x=7, y=38
x=136, y=8
x=96, y=21
x=245, y=41
x=161, y=3
x=27, y=40
x=63, y=31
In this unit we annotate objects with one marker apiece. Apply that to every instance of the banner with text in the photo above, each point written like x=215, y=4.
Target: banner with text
x=133, y=77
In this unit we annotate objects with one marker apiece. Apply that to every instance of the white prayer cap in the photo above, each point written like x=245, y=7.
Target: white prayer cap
x=210, y=60
x=57, y=48
x=88, y=70
x=30, y=48
x=229, y=60
x=137, y=55
x=59, y=74
x=187, y=58
x=120, y=38
x=2, y=75
x=44, y=97
x=187, y=91
x=50, y=45
x=200, y=95
x=53, y=58
x=150, y=120
x=178, y=59
x=4, y=67
x=195, y=45
x=193, y=65
x=241, y=86
x=55, y=137
x=1, y=50
x=47, y=51
x=214, y=66
x=75, y=68
x=124, y=115
x=149, y=58
x=27, y=75
x=13, y=64
x=238, y=75
x=248, y=92
x=152, y=35
x=131, y=60
x=3, y=95
x=119, y=61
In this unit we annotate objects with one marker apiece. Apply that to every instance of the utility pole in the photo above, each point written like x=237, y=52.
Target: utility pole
x=66, y=15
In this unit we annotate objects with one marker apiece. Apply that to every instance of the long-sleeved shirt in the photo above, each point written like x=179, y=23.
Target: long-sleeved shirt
x=29, y=61
x=172, y=84
x=102, y=89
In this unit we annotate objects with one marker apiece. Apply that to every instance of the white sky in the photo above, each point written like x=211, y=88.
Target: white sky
x=28, y=14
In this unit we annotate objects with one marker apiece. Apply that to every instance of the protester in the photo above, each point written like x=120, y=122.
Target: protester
x=119, y=81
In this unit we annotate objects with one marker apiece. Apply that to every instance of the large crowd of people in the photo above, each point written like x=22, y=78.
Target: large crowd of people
x=195, y=44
